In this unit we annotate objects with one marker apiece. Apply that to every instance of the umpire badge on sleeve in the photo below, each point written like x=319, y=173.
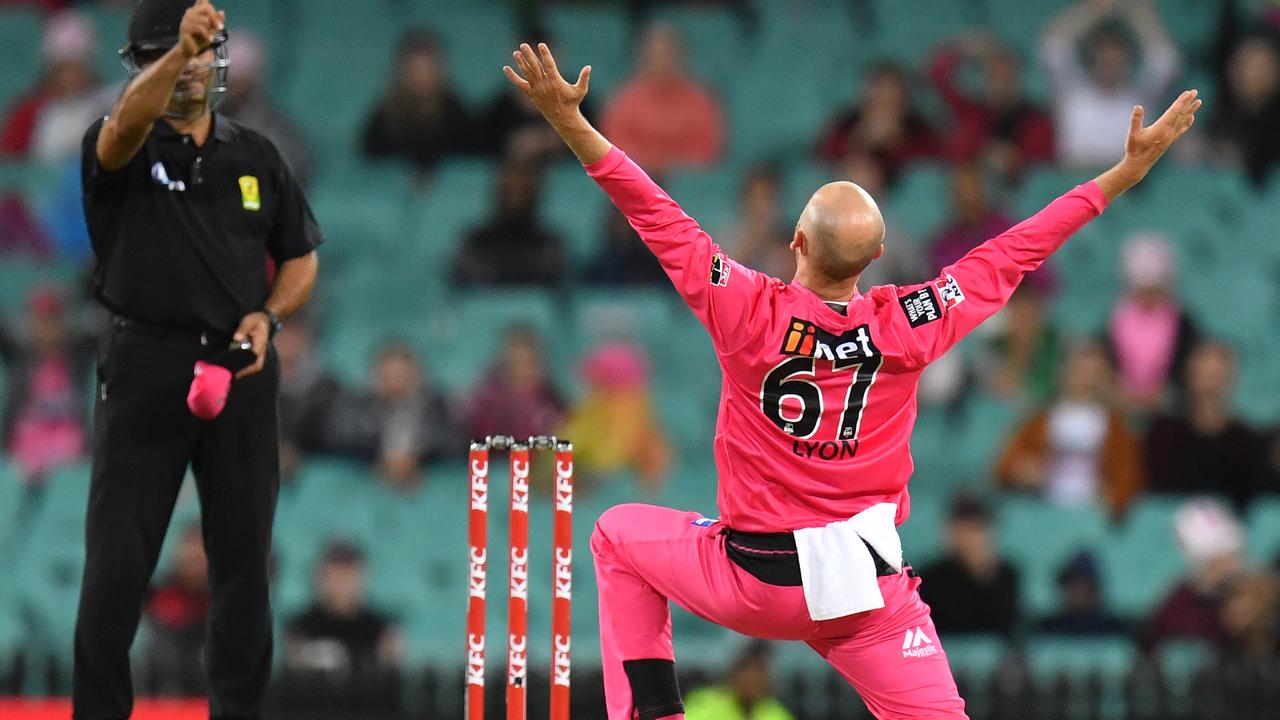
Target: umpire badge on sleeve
x=250, y=196
x=951, y=293
x=720, y=270
x=920, y=306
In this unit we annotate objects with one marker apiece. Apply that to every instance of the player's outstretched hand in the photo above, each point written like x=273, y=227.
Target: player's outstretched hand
x=539, y=78
x=1145, y=145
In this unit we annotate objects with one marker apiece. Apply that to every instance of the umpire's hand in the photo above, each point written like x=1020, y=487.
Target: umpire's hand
x=200, y=24
x=256, y=328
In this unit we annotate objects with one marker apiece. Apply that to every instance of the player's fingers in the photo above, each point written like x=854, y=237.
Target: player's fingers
x=1135, y=120
x=584, y=80
x=515, y=79
x=548, y=61
x=531, y=59
x=1179, y=106
x=523, y=65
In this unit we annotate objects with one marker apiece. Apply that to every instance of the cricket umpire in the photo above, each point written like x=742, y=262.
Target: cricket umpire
x=204, y=243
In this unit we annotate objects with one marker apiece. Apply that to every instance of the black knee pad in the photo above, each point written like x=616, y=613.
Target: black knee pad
x=655, y=693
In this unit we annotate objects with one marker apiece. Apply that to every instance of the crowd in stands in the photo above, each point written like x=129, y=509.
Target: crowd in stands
x=1142, y=407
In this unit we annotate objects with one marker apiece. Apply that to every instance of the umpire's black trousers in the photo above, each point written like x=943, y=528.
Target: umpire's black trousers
x=144, y=438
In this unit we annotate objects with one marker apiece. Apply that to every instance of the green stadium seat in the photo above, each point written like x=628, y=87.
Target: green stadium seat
x=974, y=656
x=918, y=206
x=642, y=316
x=19, y=277
x=1110, y=659
x=922, y=533
x=574, y=207
x=1038, y=538
x=458, y=197
x=1263, y=543
x=712, y=38
x=468, y=343
x=1179, y=661
x=329, y=94
x=595, y=35
x=20, y=32
x=898, y=33
x=1140, y=561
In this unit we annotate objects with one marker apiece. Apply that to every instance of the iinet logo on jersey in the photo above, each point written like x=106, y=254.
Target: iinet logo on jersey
x=844, y=350
x=918, y=645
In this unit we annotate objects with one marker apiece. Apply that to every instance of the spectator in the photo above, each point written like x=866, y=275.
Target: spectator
x=420, y=119
x=746, y=694
x=1210, y=539
x=49, y=360
x=515, y=397
x=1150, y=334
x=1025, y=349
x=1205, y=448
x=974, y=221
x=1250, y=615
x=48, y=122
x=248, y=102
x=761, y=239
x=340, y=633
x=623, y=258
x=400, y=423
x=1244, y=126
x=996, y=127
x=972, y=589
x=664, y=118
x=613, y=426
x=512, y=247
x=885, y=126
x=1077, y=450
x=176, y=616
x=308, y=395
x=1080, y=608
x=21, y=232
x=1097, y=95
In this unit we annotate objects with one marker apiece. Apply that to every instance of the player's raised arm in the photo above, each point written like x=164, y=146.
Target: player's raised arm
x=721, y=293
x=937, y=314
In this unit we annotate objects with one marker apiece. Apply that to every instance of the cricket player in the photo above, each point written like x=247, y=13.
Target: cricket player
x=812, y=441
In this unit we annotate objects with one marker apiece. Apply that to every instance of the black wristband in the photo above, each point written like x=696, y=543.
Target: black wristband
x=274, y=320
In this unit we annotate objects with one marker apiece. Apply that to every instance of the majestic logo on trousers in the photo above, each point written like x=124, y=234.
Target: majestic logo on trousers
x=917, y=645
x=842, y=351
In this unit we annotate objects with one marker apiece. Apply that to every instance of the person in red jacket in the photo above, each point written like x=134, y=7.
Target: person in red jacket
x=996, y=126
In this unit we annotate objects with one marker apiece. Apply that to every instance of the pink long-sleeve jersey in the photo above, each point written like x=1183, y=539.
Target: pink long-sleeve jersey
x=816, y=406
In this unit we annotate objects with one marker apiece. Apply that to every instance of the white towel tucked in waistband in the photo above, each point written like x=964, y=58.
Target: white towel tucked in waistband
x=836, y=569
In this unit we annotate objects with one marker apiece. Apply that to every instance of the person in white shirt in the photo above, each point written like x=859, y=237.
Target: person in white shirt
x=1099, y=75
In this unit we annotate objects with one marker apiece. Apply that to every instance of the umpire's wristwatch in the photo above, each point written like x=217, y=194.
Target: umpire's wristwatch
x=274, y=320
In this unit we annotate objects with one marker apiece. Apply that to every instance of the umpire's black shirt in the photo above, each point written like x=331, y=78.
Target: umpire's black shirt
x=182, y=233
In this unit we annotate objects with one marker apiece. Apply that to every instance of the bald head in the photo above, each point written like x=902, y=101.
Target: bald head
x=840, y=231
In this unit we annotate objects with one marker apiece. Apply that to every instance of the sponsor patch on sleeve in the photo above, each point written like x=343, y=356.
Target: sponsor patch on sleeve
x=920, y=306
x=703, y=522
x=951, y=293
x=720, y=269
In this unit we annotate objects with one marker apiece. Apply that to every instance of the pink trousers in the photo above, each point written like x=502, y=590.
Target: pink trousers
x=646, y=556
